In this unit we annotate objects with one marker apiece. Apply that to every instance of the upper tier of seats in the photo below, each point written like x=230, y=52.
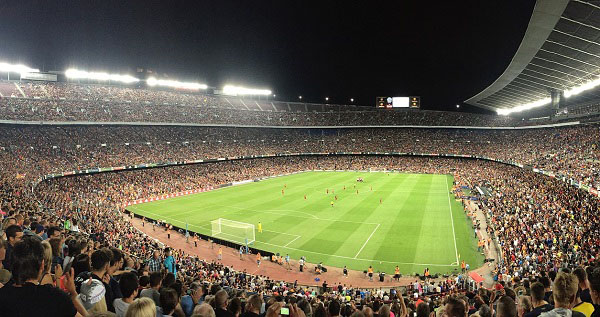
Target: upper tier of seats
x=32, y=101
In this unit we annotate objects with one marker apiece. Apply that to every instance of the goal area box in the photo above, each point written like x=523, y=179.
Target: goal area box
x=234, y=231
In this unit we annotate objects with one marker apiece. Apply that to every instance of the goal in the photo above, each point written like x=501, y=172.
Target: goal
x=235, y=231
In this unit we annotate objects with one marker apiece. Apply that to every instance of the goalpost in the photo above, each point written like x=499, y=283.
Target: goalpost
x=235, y=231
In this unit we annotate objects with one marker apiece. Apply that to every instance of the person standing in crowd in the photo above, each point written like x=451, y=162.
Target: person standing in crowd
x=253, y=306
x=155, y=262
x=26, y=297
x=128, y=283
x=155, y=285
x=564, y=293
x=537, y=300
x=14, y=234
x=169, y=263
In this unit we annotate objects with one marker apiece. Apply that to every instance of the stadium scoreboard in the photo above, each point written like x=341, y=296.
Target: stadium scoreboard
x=398, y=102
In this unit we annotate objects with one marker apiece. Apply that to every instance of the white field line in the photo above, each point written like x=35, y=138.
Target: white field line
x=452, y=220
x=313, y=252
x=291, y=241
x=364, y=244
x=287, y=234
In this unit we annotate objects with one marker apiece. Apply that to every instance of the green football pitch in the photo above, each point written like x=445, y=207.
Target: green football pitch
x=409, y=220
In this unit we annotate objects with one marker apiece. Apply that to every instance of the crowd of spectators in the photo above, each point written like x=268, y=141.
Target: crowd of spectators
x=544, y=226
x=100, y=103
x=67, y=242
x=39, y=150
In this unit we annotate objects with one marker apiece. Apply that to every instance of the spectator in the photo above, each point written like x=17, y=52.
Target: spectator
x=253, y=306
x=537, y=300
x=81, y=264
x=456, y=308
x=155, y=263
x=128, y=284
x=26, y=297
x=524, y=306
x=506, y=307
x=334, y=308
x=484, y=311
x=564, y=292
x=57, y=258
x=221, y=302
x=188, y=302
x=74, y=248
x=422, y=310
x=235, y=307
x=141, y=307
x=168, y=301
x=55, y=232
x=583, y=285
x=204, y=310
x=152, y=292
x=594, y=279
x=170, y=262
x=113, y=291
x=47, y=276
x=14, y=234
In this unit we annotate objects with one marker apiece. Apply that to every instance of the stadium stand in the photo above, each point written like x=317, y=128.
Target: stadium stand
x=73, y=155
x=100, y=103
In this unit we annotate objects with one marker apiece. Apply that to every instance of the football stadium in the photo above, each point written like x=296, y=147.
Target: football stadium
x=275, y=159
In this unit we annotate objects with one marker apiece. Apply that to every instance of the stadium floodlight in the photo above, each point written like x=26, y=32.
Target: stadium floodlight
x=524, y=107
x=567, y=93
x=17, y=68
x=236, y=91
x=100, y=76
x=151, y=81
x=579, y=89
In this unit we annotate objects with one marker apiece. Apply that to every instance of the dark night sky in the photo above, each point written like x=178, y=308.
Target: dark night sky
x=444, y=51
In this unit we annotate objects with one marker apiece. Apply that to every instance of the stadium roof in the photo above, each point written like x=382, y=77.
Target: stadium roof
x=559, y=52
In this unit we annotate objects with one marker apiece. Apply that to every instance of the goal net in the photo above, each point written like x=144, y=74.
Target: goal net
x=235, y=231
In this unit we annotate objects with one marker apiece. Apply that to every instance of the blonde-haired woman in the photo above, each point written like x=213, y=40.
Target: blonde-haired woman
x=141, y=307
x=47, y=276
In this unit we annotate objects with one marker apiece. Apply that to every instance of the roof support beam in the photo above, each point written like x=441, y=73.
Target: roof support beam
x=563, y=65
x=543, y=20
x=568, y=57
x=581, y=23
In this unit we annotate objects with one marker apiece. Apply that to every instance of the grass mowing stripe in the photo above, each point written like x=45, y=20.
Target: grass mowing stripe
x=452, y=221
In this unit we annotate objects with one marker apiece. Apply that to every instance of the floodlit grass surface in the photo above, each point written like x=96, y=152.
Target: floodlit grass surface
x=418, y=223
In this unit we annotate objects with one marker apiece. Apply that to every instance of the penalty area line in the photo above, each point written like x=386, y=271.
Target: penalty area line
x=296, y=238
x=369, y=238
